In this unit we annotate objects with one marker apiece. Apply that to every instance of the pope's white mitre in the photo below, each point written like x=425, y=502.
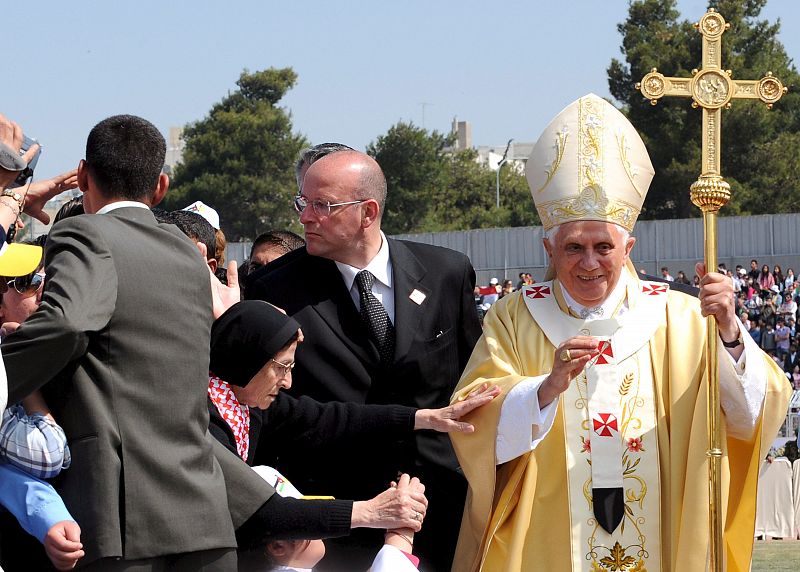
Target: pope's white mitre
x=589, y=164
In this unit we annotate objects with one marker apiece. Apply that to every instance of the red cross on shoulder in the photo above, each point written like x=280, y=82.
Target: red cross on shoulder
x=604, y=424
x=538, y=292
x=654, y=289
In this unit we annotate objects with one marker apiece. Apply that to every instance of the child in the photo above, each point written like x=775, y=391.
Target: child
x=303, y=555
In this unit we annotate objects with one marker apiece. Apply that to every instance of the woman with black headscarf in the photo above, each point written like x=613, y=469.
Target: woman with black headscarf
x=252, y=355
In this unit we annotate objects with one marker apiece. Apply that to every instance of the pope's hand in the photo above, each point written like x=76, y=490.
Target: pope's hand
x=716, y=299
x=568, y=361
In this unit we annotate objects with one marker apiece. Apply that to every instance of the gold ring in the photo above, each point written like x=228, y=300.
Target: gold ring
x=418, y=516
x=565, y=356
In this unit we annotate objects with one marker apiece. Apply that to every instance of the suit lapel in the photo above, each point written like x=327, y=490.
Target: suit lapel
x=411, y=298
x=334, y=305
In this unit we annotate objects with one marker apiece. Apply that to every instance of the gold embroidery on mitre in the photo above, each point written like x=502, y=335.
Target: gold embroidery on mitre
x=560, y=145
x=630, y=170
x=590, y=203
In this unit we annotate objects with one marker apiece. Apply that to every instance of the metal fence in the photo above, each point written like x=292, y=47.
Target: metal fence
x=677, y=244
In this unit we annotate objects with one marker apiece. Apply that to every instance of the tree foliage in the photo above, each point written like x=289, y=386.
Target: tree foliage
x=239, y=159
x=432, y=187
x=757, y=159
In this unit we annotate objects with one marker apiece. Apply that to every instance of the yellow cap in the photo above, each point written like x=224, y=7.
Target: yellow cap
x=589, y=164
x=19, y=259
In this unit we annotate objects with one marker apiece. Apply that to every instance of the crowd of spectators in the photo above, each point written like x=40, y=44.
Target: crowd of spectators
x=112, y=380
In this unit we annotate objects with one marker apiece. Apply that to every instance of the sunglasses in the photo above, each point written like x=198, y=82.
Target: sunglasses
x=26, y=286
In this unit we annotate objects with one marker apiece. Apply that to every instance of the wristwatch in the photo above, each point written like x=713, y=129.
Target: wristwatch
x=734, y=344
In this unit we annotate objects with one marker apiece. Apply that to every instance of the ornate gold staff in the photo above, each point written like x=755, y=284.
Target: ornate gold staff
x=712, y=88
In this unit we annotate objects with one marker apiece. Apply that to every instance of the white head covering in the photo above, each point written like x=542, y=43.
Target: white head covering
x=204, y=211
x=589, y=164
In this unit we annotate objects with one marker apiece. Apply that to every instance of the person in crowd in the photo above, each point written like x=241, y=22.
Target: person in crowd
x=507, y=288
x=768, y=342
x=220, y=243
x=253, y=347
x=765, y=280
x=755, y=330
x=271, y=245
x=777, y=275
x=696, y=281
x=768, y=309
x=110, y=345
x=681, y=278
x=796, y=376
x=559, y=459
x=386, y=321
x=665, y=275
x=754, y=304
x=521, y=282
x=197, y=228
x=782, y=338
x=754, y=273
x=489, y=294
x=792, y=358
x=788, y=282
x=32, y=443
x=788, y=308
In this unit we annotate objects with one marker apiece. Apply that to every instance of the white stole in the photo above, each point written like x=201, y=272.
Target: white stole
x=610, y=427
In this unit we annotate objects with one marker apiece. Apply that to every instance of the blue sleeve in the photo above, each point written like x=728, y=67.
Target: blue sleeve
x=33, y=502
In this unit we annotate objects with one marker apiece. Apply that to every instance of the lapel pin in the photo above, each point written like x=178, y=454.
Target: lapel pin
x=417, y=297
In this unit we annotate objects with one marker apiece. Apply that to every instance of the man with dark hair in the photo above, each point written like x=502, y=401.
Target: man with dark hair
x=271, y=245
x=385, y=321
x=125, y=370
x=196, y=227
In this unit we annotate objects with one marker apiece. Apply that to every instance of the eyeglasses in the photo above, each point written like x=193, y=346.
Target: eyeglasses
x=320, y=208
x=26, y=286
x=287, y=367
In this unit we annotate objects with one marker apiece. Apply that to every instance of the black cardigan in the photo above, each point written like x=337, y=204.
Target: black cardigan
x=288, y=422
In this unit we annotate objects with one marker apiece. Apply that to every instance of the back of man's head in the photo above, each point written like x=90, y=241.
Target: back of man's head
x=125, y=155
x=195, y=227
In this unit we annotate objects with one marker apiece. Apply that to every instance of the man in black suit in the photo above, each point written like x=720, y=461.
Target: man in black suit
x=408, y=349
x=121, y=341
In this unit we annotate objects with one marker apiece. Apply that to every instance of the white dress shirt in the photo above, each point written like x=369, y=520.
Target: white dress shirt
x=381, y=268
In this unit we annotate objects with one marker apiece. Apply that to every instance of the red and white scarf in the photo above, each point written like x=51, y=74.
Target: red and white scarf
x=236, y=415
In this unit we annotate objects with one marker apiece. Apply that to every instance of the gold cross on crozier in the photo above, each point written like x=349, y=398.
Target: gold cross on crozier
x=711, y=88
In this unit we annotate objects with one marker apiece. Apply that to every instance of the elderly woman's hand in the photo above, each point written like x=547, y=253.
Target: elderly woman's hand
x=447, y=419
x=400, y=506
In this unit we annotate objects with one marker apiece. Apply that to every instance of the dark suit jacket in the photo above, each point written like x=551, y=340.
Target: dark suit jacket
x=122, y=337
x=338, y=362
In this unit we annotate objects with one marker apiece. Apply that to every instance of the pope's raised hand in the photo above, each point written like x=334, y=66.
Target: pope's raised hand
x=569, y=360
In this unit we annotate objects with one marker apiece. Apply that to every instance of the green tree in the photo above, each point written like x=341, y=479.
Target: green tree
x=433, y=188
x=763, y=174
x=414, y=162
x=240, y=158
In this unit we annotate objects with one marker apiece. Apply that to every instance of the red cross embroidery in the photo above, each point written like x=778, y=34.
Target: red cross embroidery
x=654, y=289
x=604, y=347
x=604, y=424
x=538, y=292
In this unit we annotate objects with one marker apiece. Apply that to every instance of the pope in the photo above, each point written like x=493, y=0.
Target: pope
x=593, y=458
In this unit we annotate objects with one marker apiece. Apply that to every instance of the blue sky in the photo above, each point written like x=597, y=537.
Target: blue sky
x=507, y=67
